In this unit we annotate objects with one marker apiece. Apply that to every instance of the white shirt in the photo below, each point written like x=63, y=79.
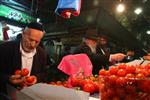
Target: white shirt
x=27, y=59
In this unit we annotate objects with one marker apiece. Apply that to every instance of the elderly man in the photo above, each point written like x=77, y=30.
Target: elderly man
x=24, y=53
x=89, y=47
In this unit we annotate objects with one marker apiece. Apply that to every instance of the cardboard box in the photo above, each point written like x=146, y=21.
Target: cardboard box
x=42, y=91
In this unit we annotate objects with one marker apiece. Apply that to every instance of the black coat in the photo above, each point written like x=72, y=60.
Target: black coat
x=98, y=60
x=10, y=61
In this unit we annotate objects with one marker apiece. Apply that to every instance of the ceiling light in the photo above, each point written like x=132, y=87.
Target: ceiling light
x=144, y=1
x=38, y=20
x=148, y=32
x=95, y=2
x=138, y=11
x=120, y=7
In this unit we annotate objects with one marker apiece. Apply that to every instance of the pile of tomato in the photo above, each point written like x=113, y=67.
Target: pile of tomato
x=125, y=82
x=88, y=84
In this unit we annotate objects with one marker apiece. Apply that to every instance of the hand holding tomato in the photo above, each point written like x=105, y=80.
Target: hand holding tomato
x=16, y=79
x=30, y=80
x=23, y=72
x=22, y=79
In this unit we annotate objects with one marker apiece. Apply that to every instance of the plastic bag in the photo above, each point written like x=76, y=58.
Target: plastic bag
x=74, y=64
x=67, y=7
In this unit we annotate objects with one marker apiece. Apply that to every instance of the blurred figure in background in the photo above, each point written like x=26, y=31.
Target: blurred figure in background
x=88, y=46
x=99, y=58
x=104, y=50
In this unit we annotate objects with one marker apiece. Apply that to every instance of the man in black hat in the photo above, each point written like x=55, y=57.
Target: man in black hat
x=102, y=49
x=89, y=47
x=24, y=53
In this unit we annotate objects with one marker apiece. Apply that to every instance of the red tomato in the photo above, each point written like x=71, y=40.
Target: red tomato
x=130, y=76
x=144, y=85
x=59, y=83
x=140, y=76
x=92, y=78
x=130, y=69
x=113, y=70
x=24, y=72
x=96, y=84
x=122, y=66
x=107, y=73
x=89, y=87
x=18, y=72
x=148, y=71
x=121, y=73
x=102, y=72
x=131, y=89
x=30, y=79
x=104, y=96
x=110, y=92
x=102, y=87
x=121, y=81
x=138, y=70
x=74, y=81
x=52, y=83
x=143, y=67
x=86, y=81
x=112, y=80
x=145, y=72
x=131, y=97
x=115, y=98
x=120, y=92
x=148, y=66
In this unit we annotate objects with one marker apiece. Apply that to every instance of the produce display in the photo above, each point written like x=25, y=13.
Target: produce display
x=125, y=82
x=80, y=82
x=119, y=82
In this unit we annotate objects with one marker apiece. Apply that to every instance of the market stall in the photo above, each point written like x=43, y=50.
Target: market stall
x=79, y=87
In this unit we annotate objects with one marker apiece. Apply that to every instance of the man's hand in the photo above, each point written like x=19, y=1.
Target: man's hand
x=146, y=57
x=16, y=79
x=117, y=57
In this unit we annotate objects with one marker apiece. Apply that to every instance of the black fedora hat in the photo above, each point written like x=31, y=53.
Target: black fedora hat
x=91, y=34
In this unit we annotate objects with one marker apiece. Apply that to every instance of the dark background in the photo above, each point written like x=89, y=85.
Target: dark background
x=126, y=28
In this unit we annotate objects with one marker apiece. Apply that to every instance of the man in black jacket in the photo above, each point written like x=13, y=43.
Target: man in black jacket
x=23, y=54
x=89, y=46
